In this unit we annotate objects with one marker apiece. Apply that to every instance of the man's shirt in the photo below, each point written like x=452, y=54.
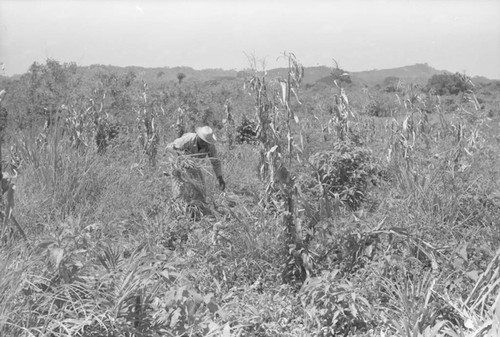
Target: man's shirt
x=187, y=145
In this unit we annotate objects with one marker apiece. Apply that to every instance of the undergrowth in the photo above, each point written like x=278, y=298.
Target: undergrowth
x=396, y=223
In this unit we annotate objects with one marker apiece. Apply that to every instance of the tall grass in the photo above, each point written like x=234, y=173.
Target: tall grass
x=396, y=226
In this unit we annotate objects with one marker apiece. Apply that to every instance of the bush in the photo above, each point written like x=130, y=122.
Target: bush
x=391, y=84
x=246, y=132
x=344, y=172
x=380, y=106
x=335, y=306
x=444, y=84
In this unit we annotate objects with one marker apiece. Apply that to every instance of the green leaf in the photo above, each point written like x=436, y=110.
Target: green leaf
x=212, y=307
x=175, y=318
x=208, y=298
x=473, y=275
x=46, y=243
x=354, y=311
x=56, y=255
x=191, y=307
x=462, y=251
x=226, y=332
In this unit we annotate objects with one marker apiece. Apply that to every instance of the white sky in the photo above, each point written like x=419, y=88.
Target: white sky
x=462, y=35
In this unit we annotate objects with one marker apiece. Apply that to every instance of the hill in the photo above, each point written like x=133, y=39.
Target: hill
x=162, y=74
x=420, y=72
x=413, y=73
x=311, y=74
x=417, y=72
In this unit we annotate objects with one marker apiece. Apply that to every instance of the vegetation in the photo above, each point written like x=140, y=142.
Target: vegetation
x=350, y=210
x=447, y=84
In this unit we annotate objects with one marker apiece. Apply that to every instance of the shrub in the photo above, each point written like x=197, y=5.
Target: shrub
x=380, y=107
x=246, y=132
x=391, y=84
x=444, y=84
x=344, y=172
x=335, y=306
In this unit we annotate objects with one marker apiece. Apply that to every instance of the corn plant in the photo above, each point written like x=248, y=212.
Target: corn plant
x=228, y=123
x=468, y=95
x=289, y=86
x=340, y=175
x=149, y=136
x=341, y=111
x=263, y=109
x=103, y=131
x=3, y=126
x=180, y=125
x=275, y=162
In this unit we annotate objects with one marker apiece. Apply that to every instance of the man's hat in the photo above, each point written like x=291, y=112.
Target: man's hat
x=206, y=134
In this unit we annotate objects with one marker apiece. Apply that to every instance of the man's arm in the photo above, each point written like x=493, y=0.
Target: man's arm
x=214, y=160
x=181, y=144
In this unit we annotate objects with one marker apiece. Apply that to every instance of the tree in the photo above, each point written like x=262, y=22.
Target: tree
x=115, y=88
x=49, y=85
x=391, y=83
x=180, y=77
x=447, y=84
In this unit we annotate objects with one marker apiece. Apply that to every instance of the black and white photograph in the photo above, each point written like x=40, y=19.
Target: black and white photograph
x=249, y=168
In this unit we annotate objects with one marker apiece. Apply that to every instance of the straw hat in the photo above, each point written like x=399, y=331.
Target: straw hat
x=206, y=134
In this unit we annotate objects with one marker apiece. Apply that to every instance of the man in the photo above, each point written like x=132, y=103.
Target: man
x=200, y=144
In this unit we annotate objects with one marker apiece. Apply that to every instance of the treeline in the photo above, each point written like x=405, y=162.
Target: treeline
x=35, y=97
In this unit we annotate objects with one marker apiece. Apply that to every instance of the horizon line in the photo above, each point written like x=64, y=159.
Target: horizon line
x=238, y=69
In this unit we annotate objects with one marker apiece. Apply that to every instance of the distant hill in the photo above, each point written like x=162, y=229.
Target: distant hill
x=420, y=73
x=482, y=80
x=417, y=73
x=414, y=73
x=311, y=74
x=163, y=74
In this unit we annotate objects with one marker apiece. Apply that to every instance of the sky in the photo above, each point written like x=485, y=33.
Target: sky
x=454, y=35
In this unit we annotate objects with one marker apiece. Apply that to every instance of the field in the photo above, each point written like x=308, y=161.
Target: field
x=350, y=210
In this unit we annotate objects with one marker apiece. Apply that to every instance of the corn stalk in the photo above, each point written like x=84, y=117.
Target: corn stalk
x=3, y=181
x=3, y=125
x=296, y=257
x=228, y=123
x=101, y=123
x=180, y=125
x=341, y=109
x=263, y=107
x=79, y=126
x=469, y=95
x=149, y=137
x=404, y=136
x=275, y=162
x=339, y=124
